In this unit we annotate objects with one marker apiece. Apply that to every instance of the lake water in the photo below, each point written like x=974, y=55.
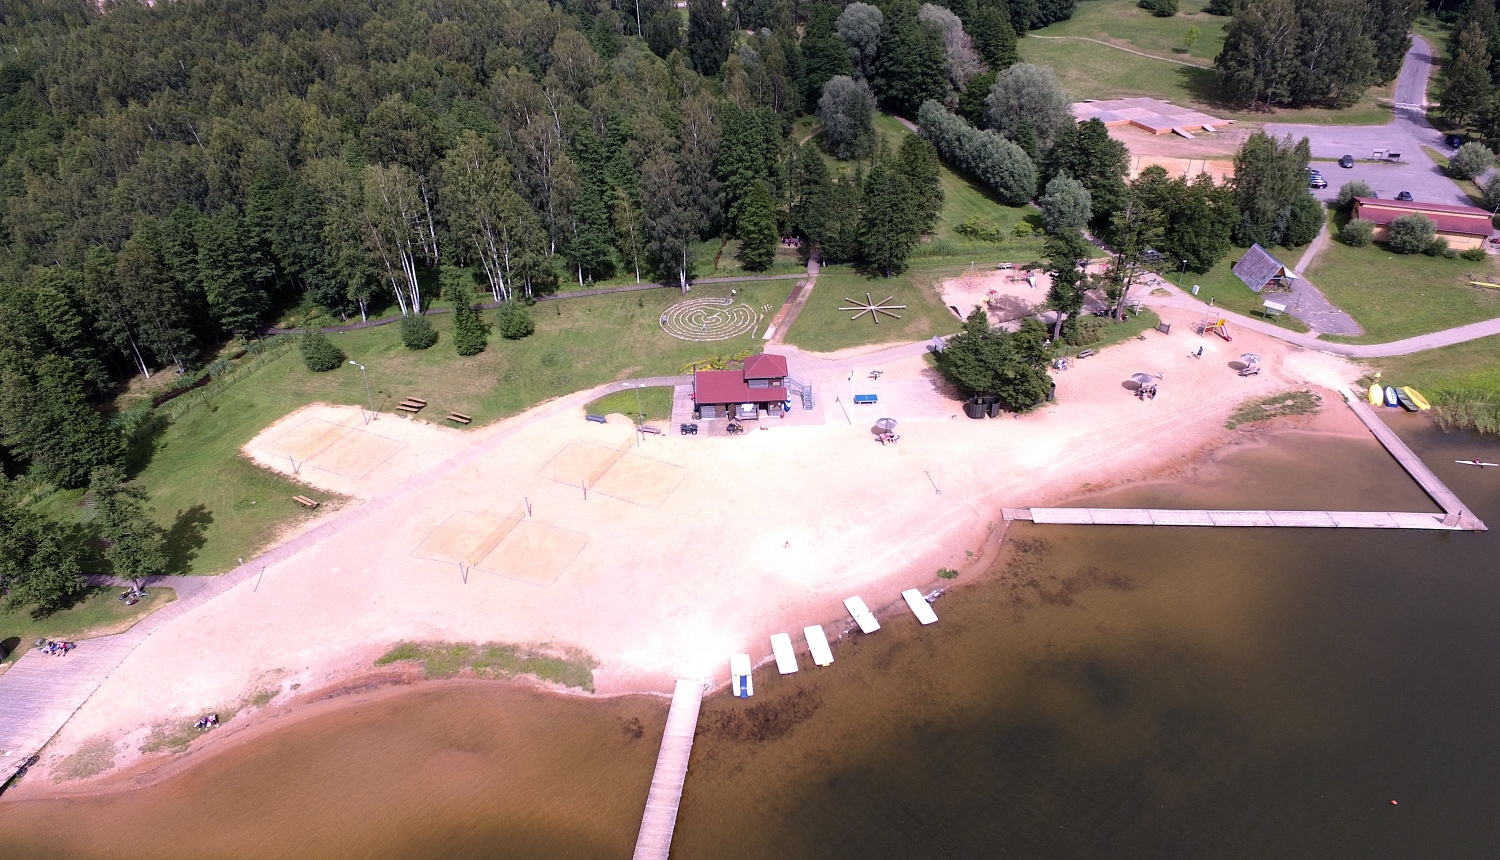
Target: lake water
x=1103, y=693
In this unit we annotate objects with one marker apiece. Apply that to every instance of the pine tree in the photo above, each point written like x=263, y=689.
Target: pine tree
x=590, y=253
x=1469, y=87
x=917, y=160
x=971, y=102
x=470, y=334
x=1065, y=297
x=708, y=36
x=228, y=267
x=994, y=36
x=889, y=227
x=134, y=545
x=911, y=66
x=757, y=230
x=46, y=421
x=824, y=54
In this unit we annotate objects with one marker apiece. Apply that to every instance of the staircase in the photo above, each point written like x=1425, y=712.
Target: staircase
x=804, y=389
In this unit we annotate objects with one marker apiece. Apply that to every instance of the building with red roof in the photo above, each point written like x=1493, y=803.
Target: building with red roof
x=744, y=393
x=1464, y=227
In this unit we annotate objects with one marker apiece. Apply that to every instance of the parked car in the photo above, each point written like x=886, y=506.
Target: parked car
x=1316, y=180
x=1454, y=141
x=1404, y=196
x=1346, y=161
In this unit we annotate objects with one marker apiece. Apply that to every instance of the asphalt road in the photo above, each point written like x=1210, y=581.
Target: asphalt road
x=1406, y=134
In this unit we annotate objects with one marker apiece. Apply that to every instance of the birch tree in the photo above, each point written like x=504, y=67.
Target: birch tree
x=396, y=224
x=482, y=208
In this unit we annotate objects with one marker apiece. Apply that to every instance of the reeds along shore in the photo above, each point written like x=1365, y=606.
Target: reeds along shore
x=1467, y=409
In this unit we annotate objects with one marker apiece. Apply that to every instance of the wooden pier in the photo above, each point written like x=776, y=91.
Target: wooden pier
x=1455, y=516
x=655, y=839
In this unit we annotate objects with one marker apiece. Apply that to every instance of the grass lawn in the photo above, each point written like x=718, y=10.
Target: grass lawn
x=1474, y=365
x=822, y=327
x=98, y=614
x=1395, y=296
x=656, y=403
x=222, y=507
x=1094, y=71
x=1230, y=293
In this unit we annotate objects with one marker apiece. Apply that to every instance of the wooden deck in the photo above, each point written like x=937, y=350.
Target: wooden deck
x=655, y=839
x=1455, y=516
x=1244, y=519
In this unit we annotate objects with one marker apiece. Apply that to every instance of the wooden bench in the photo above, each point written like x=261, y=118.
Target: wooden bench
x=305, y=502
x=407, y=407
x=415, y=401
x=412, y=405
x=459, y=417
x=597, y=419
x=647, y=428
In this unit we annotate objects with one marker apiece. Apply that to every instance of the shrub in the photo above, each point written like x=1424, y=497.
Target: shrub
x=1411, y=234
x=319, y=353
x=947, y=573
x=1358, y=233
x=417, y=332
x=1438, y=247
x=983, y=229
x=1492, y=193
x=1219, y=7
x=990, y=158
x=514, y=321
x=1472, y=159
x=1023, y=230
x=1159, y=8
x=1473, y=255
x=1303, y=222
x=1350, y=190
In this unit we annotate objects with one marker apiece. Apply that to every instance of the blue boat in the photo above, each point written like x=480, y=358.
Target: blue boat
x=1390, y=396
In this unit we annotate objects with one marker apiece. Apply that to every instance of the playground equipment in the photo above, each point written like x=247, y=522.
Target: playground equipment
x=873, y=308
x=1214, y=325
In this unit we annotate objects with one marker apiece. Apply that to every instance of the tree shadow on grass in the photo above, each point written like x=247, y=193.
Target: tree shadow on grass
x=186, y=536
x=142, y=443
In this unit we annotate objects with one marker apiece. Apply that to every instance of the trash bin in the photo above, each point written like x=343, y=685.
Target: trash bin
x=1052, y=393
x=975, y=408
x=994, y=406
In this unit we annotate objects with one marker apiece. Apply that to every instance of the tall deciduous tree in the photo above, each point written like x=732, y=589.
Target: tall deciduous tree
x=1269, y=177
x=1259, y=57
x=1065, y=205
x=963, y=60
x=38, y=557
x=859, y=25
x=47, y=421
x=629, y=231
x=985, y=155
x=395, y=224
x=847, y=111
x=1087, y=152
x=1025, y=94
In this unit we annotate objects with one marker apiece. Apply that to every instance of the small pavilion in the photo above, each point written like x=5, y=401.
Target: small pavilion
x=1261, y=271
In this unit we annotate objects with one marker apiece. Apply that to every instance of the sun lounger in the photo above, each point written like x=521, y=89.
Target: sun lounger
x=864, y=399
x=919, y=606
x=861, y=614
x=786, y=658
x=817, y=643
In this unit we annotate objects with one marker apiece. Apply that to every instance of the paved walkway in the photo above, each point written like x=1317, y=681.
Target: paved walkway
x=39, y=694
x=1307, y=303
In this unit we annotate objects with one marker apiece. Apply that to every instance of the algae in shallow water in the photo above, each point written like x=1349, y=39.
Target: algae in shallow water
x=1303, y=402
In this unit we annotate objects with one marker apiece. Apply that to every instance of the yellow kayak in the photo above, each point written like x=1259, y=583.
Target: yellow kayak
x=1377, y=394
x=1417, y=398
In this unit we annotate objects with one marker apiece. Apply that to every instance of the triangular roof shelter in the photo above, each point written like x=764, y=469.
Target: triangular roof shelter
x=1258, y=269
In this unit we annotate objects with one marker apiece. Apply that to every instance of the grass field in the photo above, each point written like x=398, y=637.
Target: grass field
x=222, y=507
x=1229, y=292
x=655, y=403
x=1395, y=296
x=98, y=614
x=822, y=327
x=1472, y=365
x=1094, y=71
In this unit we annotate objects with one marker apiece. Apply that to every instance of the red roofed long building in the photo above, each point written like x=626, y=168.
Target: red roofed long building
x=759, y=385
x=1464, y=227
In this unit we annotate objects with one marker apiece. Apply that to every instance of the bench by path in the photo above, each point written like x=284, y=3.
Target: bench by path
x=39, y=694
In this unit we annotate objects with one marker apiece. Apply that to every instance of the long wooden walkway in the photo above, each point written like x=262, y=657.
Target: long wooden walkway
x=1455, y=516
x=655, y=839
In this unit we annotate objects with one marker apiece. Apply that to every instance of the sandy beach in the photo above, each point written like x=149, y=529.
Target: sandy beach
x=683, y=550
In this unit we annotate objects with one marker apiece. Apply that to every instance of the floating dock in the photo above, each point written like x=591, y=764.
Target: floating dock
x=786, y=658
x=655, y=839
x=919, y=606
x=861, y=614
x=817, y=643
x=1455, y=516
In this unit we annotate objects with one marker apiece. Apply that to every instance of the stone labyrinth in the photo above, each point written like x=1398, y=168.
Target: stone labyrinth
x=708, y=319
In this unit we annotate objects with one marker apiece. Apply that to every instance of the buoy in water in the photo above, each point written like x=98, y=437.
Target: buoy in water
x=1393, y=803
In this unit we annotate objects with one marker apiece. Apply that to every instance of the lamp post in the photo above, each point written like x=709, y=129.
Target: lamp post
x=1182, y=274
x=640, y=415
x=363, y=372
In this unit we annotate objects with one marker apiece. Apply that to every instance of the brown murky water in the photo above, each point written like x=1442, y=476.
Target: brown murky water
x=1104, y=693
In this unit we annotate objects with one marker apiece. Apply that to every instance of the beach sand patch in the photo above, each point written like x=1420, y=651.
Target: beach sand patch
x=534, y=553
x=340, y=448
x=582, y=464
x=640, y=481
x=465, y=537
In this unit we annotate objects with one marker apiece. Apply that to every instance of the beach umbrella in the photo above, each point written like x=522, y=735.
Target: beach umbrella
x=886, y=424
x=1250, y=358
x=1143, y=378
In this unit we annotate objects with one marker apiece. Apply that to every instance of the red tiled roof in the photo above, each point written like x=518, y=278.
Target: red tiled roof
x=765, y=366
x=728, y=386
x=1448, y=217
